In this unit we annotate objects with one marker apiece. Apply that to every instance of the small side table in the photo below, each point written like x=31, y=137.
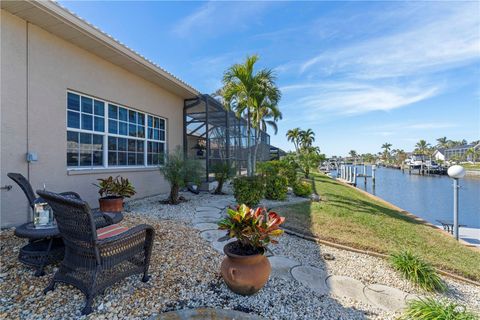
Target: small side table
x=44, y=246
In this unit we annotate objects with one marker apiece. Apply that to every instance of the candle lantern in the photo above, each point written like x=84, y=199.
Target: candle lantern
x=42, y=214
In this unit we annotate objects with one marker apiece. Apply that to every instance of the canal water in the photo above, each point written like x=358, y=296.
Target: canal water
x=429, y=197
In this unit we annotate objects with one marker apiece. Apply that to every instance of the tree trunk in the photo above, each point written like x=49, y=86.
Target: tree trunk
x=249, y=151
x=219, y=188
x=255, y=150
x=174, y=191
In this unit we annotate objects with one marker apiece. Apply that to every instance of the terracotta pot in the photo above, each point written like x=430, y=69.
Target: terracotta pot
x=244, y=275
x=111, y=204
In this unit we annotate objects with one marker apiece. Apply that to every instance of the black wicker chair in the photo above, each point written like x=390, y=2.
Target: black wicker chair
x=101, y=220
x=91, y=264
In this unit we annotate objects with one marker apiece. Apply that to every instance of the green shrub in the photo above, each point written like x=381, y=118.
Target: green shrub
x=276, y=187
x=289, y=170
x=302, y=188
x=248, y=190
x=417, y=271
x=427, y=309
x=269, y=168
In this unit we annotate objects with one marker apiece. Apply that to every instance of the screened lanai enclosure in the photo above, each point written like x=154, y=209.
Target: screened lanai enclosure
x=213, y=134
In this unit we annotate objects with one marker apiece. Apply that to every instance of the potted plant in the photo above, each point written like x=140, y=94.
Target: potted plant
x=112, y=192
x=246, y=269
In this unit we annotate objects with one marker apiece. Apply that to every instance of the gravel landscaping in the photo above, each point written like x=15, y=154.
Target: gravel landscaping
x=185, y=275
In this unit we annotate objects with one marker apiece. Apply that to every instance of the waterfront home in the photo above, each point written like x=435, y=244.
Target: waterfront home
x=77, y=105
x=459, y=153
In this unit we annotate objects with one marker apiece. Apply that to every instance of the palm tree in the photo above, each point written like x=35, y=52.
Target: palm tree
x=353, y=154
x=386, y=150
x=473, y=152
x=307, y=137
x=442, y=142
x=241, y=90
x=293, y=135
x=265, y=113
x=422, y=147
x=401, y=155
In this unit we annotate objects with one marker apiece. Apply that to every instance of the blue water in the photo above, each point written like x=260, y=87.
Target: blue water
x=429, y=197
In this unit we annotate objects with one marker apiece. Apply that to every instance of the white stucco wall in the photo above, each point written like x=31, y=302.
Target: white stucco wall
x=48, y=66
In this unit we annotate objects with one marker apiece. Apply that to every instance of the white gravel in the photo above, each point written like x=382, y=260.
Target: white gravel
x=185, y=274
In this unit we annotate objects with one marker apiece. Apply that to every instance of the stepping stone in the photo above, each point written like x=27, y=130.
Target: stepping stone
x=205, y=226
x=218, y=245
x=385, y=297
x=198, y=220
x=213, y=235
x=208, y=215
x=281, y=266
x=206, y=314
x=219, y=205
x=311, y=277
x=410, y=296
x=207, y=209
x=343, y=286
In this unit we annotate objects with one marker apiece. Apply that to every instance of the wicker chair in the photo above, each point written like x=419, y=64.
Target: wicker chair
x=101, y=220
x=91, y=264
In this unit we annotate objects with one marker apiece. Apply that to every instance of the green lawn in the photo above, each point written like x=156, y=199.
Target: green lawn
x=349, y=217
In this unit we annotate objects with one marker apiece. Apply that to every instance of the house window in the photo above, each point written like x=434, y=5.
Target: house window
x=104, y=134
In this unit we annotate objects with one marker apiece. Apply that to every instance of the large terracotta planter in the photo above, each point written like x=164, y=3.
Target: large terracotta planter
x=244, y=275
x=111, y=204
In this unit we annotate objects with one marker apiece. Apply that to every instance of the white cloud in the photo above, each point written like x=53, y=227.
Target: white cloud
x=350, y=98
x=447, y=39
x=214, y=18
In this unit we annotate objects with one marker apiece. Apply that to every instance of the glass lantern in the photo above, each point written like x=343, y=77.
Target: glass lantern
x=42, y=214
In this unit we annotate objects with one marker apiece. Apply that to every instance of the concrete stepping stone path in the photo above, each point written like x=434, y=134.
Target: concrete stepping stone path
x=311, y=277
x=380, y=296
x=281, y=266
x=207, y=209
x=215, y=215
x=205, y=226
x=343, y=286
x=205, y=220
x=212, y=235
x=385, y=297
x=205, y=314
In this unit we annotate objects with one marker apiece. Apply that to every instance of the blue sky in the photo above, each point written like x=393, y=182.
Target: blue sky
x=358, y=73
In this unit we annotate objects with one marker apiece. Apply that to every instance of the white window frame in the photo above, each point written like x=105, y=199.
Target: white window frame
x=106, y=134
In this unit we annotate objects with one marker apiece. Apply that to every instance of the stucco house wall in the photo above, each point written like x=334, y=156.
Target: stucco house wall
x=37, y=69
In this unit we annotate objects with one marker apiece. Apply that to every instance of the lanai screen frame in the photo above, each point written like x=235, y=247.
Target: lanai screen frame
x=206, y=118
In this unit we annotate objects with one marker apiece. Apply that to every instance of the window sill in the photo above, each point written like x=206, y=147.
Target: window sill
x=74, y=172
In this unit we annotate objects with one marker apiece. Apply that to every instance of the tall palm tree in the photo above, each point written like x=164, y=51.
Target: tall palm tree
x=386, y=150
x=422, y=147
x=307, y=137
x=293, y=135
x=241, y=87
x=265, y=113
x=442, y=142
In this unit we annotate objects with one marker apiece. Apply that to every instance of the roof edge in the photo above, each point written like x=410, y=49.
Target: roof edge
x=68, y=17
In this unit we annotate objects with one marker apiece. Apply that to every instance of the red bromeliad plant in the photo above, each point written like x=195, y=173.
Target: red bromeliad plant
x=254, y=228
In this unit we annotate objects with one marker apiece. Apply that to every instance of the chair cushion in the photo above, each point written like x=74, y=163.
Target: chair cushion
x=110, y=231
